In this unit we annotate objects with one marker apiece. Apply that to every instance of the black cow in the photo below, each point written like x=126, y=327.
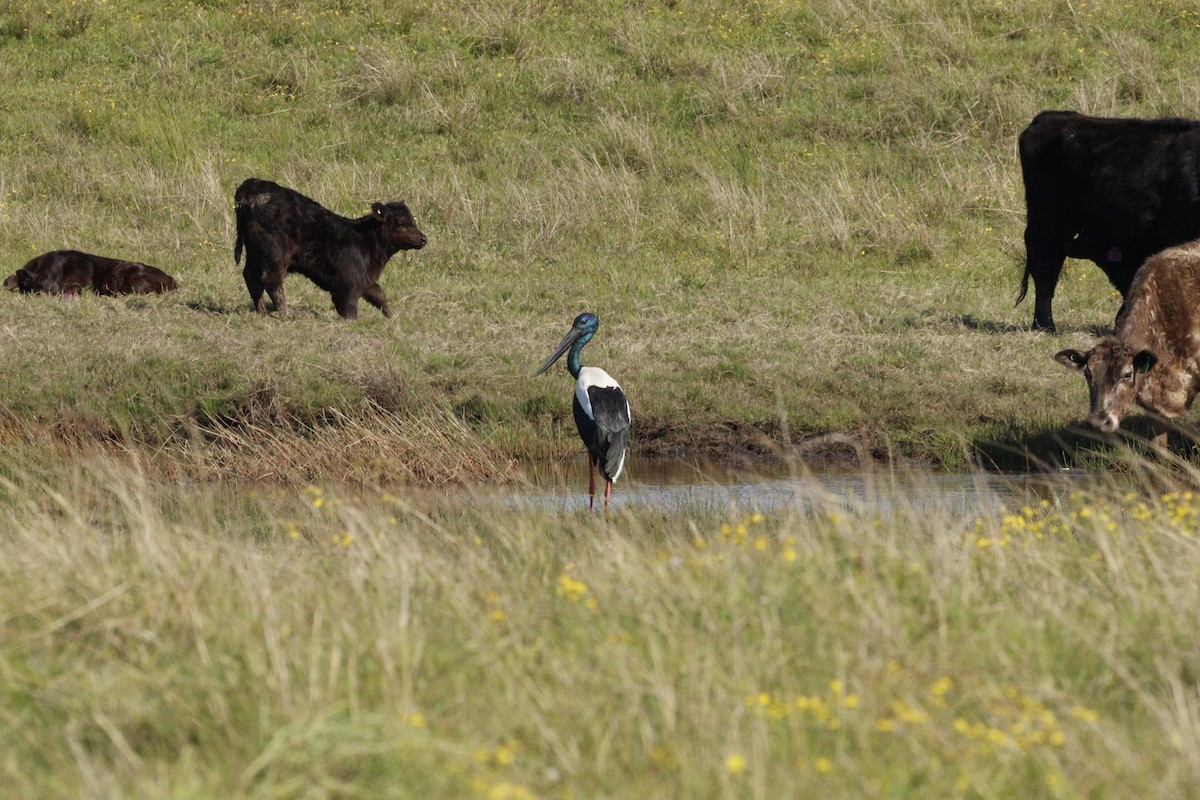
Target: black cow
x=283, y=231
x=69, y=272
x=1112, y=191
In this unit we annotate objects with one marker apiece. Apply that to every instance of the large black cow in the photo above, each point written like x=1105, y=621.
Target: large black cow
x=283, y=231
x=1112, y=191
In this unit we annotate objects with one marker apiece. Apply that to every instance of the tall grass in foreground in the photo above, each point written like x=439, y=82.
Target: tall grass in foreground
x=169, y=641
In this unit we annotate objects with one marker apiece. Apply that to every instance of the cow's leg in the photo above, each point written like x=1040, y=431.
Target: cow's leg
x=252, y=274
x=375, y=296
x=275, y=263
x=346, y=304
x=275, y=291
x=1044, y=257
x=1159, y=428
x=1043, y=300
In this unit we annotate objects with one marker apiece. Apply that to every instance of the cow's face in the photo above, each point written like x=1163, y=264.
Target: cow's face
x=1114, y=373
x=23, y=281
x=399, y=226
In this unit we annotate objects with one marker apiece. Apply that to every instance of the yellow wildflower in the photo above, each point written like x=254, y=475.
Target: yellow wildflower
x=570, y=588
x=509, y=791
x=1085, y=714
x=906, y=713
x=998, y=737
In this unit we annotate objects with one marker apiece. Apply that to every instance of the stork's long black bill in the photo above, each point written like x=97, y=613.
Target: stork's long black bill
x=565, y=345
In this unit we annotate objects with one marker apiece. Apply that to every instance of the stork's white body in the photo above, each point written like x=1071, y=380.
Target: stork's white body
x=605, y=420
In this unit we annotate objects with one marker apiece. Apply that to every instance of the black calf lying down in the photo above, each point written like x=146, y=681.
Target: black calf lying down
x=68, y=272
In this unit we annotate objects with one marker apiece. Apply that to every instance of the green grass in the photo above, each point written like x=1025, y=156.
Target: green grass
x=780, y=210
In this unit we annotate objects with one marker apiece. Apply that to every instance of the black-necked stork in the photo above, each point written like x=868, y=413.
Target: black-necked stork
x=601, y=410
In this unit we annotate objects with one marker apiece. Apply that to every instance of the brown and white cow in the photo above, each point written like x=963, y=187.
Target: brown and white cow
x=1153, y=356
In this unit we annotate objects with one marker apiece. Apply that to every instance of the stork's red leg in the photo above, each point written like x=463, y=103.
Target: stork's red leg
x=591, y=483
x=607, y=494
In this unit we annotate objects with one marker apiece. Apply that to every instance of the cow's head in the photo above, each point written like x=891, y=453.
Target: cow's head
x=1114, y=373
x=24, y=281
x=399, y=227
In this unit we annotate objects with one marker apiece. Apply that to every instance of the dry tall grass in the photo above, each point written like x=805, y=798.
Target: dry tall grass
x=165, y=639
x=368, y=445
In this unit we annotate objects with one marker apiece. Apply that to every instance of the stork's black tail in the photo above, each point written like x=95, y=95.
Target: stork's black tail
x=611, y=430
x=610, y=455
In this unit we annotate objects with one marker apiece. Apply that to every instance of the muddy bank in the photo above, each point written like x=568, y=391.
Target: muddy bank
x=434, y=446
x=743, y=442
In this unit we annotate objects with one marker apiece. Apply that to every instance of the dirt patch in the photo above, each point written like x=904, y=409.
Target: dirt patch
x=742, y=442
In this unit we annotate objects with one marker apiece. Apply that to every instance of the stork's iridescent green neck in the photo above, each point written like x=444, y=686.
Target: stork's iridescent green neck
x=574, y=364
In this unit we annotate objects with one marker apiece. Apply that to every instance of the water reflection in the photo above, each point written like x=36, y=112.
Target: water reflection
x=671, y=484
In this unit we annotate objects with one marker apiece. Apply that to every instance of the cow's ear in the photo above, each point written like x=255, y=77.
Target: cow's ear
x=1144, y=361
x=1071, y=358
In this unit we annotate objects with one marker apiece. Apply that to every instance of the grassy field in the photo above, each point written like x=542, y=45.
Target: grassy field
x=168, y=640
x=799, y=223
x=793, y=218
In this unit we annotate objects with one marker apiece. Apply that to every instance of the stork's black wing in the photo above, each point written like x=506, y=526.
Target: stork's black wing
x=606, y=436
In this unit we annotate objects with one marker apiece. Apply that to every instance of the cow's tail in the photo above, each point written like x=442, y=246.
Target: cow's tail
x=1024, y=286
x=245, y=199
x=240, y=210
